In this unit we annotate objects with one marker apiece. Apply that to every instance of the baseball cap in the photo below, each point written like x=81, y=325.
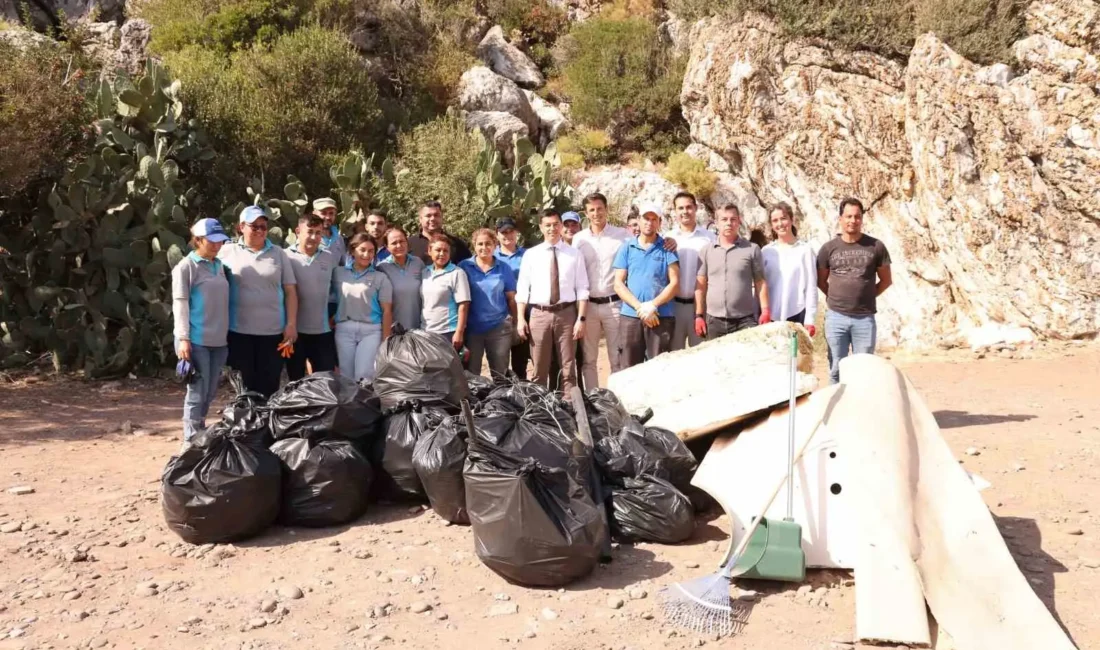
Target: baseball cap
x=252, y=213
x=321, y=204
x=651, y=207
x=570, y=216
x=506, y=223
x=210, y=229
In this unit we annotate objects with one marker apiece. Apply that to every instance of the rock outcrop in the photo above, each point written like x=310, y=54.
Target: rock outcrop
x=981, y=183
x=500, y=128
x=45, y=14
x=508, y=61
x=481, y=89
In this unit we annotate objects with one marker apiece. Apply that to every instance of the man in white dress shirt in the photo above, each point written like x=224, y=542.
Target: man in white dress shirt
x=690, y=239
x=553, y=281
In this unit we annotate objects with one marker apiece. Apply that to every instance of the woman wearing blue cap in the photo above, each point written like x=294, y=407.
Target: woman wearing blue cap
x=200, y=310
x=263, y=304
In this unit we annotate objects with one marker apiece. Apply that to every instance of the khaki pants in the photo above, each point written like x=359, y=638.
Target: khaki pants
x=554, y=331
x=683, y=332
x=601, y=320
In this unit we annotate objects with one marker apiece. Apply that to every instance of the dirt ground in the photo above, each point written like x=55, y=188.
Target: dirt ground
x=86, y=560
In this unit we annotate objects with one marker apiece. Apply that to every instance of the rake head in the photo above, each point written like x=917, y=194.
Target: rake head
x=702, y=605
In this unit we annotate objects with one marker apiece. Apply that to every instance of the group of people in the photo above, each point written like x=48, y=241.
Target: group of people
x=330, y=302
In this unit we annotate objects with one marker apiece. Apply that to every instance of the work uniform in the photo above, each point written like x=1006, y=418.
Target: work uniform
x=405, y=281
x=489, y=330
x=731, y=273
x=603, y=317
x=688, y=246
x=316, y=342
x=646, y=277
x=441, y=292
x=257, y=312
x=360, y=296
x=200, y=310
x=418, y=246
x=521, y=349
x=552, y=279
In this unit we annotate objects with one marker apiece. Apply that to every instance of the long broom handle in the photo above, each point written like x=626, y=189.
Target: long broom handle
x=733, y=555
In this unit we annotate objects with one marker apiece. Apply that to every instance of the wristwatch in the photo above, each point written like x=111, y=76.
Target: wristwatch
x=581, y=319
x=699, y=316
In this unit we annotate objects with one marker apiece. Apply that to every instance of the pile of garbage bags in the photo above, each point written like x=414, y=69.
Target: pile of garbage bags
x=542, y=505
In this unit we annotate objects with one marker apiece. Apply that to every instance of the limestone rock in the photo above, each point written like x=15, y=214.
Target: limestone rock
x=508, y=60
x=103, y=41
x=47, y=13
x=481, y=89
x=977, y=181
x=24, y=38
x=499, y=127
x=551, y=120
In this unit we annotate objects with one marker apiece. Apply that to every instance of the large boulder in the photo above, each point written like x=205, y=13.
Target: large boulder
x=481, y=89
x=133, y=46
x=977, y=181
x=46, y=14
x=500, y=128
x=24, y=38
x=552, y=122
x=507, y=60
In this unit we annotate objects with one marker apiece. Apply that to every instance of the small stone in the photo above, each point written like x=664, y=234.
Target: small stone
x=11, y=527
x=637, y=593
x=16, y=632
x=268, y=606
x=1075, y=531
x=379, y=638
x=351, y=628
x=529, y=634
x=290, y=592
x=746, y=595
x=145, y=592
x=502, y=597
x=256, y=623
x=972, y=451
x=362, y=554
x=194, y=620
x=615, y=602
x=99, y=643
x=1091, y=562
x=72, y=595
x=549, y=614
x=419, y=607
x=28, y=526
x=691, y=565
x=441, y=616
x=21, y=490
x=1018, y=467
x=503, y=609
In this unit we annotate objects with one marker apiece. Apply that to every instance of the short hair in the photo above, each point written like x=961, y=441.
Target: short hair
x=391, y=230
x=361, y=238
x=851, y=200
x=433, y=204
x=788, y=212
x=730, y=207
x=439, y=238
x=594, y=196
x=491, y=234
x=310, y=220
x=684, y=195
x=549, y=212
x=378, y=212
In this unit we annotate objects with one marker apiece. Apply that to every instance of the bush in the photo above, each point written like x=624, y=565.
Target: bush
x=981, y=30
x=619, y=75
x=690, y=174
x=585, y=146
x=219, y=25
x=539, y=22
x=280, y=110
x=43, y=115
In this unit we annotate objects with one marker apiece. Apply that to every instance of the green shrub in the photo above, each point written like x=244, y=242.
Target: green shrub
x=981, y=30
x=690, y=174
x=280, y=110
x=43, y=114
x=219, y=25
x=586, y=146
x=539, y=22
x=619, y=75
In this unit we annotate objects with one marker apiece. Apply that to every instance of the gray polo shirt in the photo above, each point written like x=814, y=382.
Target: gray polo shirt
x=360, y=294
x=257, y=302
x=442, y=291
x=314, y=275
x=200, y=301
x=406, y=289
x=730, y=273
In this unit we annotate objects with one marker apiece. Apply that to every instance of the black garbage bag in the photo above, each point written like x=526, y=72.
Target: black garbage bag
x=637, y=450
x=223, y=487
x=325, y=483
x=649, y=509
x=545, y=435
x=533, y=524
x=419, y=365
x=438, y=458
x=523, y=394
x=392, y=453
x=606, y=414
x=480, y=386
x=245, y=415
x=324, y=405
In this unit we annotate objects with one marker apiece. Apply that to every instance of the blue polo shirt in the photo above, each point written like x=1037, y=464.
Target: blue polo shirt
x=646, y=273
x=488, y=302
x=513, y=260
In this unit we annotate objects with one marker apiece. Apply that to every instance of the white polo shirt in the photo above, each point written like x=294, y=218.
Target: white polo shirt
x=599, y=256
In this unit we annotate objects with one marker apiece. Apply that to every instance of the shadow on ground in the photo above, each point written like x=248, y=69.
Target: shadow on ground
x=959, y=419
x=1025, y=542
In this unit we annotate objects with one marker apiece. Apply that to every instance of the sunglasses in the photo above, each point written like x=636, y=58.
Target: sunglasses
x=260, y=228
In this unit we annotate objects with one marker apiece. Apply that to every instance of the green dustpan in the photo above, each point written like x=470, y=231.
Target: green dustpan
x=774, y=551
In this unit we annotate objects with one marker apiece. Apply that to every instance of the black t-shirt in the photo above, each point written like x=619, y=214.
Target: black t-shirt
x=418, y=246
x=852, y=273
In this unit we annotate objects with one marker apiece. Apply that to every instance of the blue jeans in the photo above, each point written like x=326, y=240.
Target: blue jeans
x=858, y=332
x=357, y=346
x=208, y=364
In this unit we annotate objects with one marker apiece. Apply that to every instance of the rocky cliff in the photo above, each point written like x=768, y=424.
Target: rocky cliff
x=982, y=181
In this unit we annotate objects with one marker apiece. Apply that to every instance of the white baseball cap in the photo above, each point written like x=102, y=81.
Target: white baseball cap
x=209, y=229
x=651, y=207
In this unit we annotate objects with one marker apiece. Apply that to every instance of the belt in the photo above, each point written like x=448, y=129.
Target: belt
x=604, y=300
x=685, y=301
x=554, y=308
x=730, y=320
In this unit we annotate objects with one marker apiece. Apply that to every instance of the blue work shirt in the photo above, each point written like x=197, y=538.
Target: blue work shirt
x=513, y=260
x=646, y=273
x=488, y=302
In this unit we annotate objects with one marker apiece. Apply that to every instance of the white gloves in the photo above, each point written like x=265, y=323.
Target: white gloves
x=646, y=309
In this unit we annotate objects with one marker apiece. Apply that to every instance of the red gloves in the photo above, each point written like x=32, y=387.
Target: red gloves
x=700, y=326
x=765, y=317
x=812, y=330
